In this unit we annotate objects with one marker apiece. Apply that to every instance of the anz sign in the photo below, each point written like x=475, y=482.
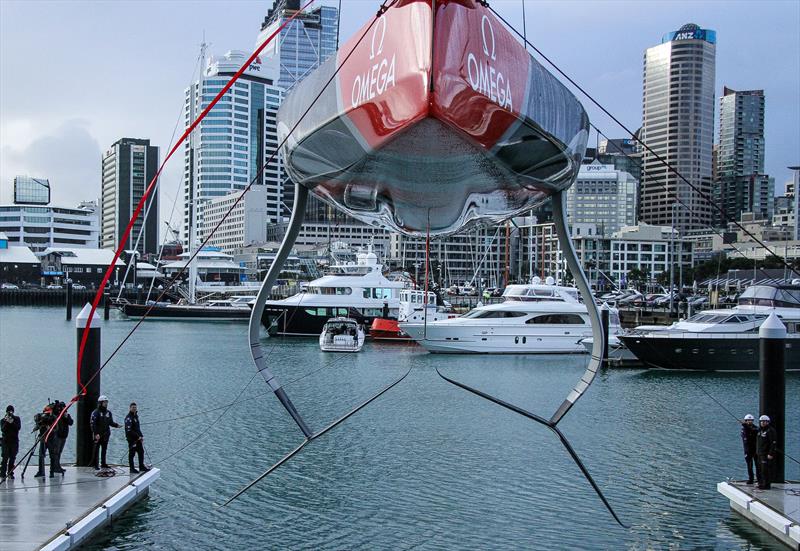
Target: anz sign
x=697, y=34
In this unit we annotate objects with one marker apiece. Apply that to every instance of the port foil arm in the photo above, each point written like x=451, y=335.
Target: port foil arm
x=596, y=358
x=256, y=350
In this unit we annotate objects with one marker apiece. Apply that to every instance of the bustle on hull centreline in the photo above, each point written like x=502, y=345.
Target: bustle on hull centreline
x=435, y=121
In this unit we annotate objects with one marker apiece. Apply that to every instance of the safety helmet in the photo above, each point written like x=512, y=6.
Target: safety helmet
x=749, y=417
x=764, y=418
x=103, y=398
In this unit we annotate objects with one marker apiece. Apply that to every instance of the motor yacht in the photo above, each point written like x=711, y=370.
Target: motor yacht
x=413, y=309
x=722, y=340
x=356, y=290
x=341, y=335
x=533, y=319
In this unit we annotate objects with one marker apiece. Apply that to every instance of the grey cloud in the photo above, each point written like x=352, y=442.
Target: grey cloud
x=69, y=157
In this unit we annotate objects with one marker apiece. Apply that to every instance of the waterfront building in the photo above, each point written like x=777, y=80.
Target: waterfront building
x=128, y=167
x=740, y=184
x=31, y=191
x=18, y=264
x=317, y=234
x=678, y=125
x=40, y=227
x=214, y=268
x=86, y=266
x=603, y=196
x=245, y=225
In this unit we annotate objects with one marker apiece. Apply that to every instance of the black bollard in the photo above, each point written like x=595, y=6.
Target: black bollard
x=604, y=316
x=69, y=299
x=772, y=395
x=88, y=402
x=106, y=305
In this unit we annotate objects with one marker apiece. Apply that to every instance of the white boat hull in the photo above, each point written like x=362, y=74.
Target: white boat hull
x=498, y=340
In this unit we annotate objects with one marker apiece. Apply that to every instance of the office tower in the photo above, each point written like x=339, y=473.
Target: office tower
x=603, y=196
x=740, y=184
x=128, y=167
x=31, y=191
x=678, y=125
x=238, y=136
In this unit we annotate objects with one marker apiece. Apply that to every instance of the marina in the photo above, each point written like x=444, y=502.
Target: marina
x=426, y=463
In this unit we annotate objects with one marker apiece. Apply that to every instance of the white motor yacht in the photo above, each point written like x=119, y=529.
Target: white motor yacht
x=341, y=335
x=533, y=319
x=356, y=290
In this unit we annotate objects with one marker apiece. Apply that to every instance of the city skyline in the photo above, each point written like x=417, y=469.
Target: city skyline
x=62, y=136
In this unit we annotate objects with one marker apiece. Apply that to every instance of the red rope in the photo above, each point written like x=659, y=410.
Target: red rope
x=140, y=205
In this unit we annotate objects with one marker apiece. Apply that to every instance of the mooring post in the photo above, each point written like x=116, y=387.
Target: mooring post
x=772, y=395
x=88, y=376
x=106, y=305
x=604, y=317
x=69, y=300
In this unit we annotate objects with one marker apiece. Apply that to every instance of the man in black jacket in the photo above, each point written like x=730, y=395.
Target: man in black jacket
x=749, y=436
x=47, y=445
x=59, y=435
x=766, y=448
x=134, y=436
x=101, y=422
x=10, y=426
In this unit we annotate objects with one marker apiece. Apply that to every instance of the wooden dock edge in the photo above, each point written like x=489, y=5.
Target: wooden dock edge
x=106, y=512
x=763, y=516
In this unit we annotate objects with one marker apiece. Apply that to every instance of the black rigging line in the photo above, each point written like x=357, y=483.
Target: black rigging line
x=644, y=145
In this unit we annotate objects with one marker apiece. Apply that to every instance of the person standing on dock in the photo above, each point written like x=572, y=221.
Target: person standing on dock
x=10, y=426
x=766, y=448
x=135, y=438
x=43, y=422
x=749, y=436
x=59, y=435
x=101, y=422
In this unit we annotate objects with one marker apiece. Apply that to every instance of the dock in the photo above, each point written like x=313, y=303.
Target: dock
x=63, y=513
x=776, y=510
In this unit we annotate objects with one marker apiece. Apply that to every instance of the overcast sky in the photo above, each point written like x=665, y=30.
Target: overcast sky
x=76, y=76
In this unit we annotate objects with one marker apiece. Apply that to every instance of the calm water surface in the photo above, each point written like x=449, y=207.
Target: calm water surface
x=425, y=466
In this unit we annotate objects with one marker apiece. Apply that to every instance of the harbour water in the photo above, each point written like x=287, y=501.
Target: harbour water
x=427, y=465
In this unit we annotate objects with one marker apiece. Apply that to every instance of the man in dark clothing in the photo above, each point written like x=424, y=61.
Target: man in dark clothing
x=135, y=438
x=101, y=422
x=43, y=422
x=749, y=435
x=10, y=426
x=59, y=435
x=766, y=448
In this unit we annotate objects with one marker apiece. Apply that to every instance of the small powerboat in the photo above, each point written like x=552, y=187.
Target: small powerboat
x=341, y=335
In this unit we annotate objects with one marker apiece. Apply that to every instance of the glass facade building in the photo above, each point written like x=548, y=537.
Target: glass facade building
x=740, y=183
x=603, y=196
x=678, y=124
x=229, y=147
x=128, y=166
x=31, y=191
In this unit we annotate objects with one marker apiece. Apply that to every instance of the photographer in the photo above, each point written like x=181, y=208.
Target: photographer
x=101, y=423
x=10, y=426
x=43, y=422
x=59, y=436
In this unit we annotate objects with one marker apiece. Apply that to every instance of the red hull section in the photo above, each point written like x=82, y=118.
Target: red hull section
x=433, y=121
x=387, y=330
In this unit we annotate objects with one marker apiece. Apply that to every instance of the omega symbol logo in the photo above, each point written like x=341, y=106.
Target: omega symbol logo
x=485, y=21
x=380, y=27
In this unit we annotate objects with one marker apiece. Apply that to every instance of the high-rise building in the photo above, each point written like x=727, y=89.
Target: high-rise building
x=603, y=196
x=31, y=191
x=128, y=167
x=678, y=125
x=302, y=46
x=740, y=184
x=229, y=147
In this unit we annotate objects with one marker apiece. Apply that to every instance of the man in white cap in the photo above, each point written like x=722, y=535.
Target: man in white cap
x=766, y=448
x=101, y=422
x=749, y=436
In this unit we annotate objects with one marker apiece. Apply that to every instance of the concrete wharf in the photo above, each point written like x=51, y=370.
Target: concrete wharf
x=777, y=510
x=62, y=513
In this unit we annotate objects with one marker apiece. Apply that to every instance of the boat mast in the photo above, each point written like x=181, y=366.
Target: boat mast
x=193, y=200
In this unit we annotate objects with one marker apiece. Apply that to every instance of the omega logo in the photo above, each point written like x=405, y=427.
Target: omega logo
x=380, y=76
x=483, y=77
